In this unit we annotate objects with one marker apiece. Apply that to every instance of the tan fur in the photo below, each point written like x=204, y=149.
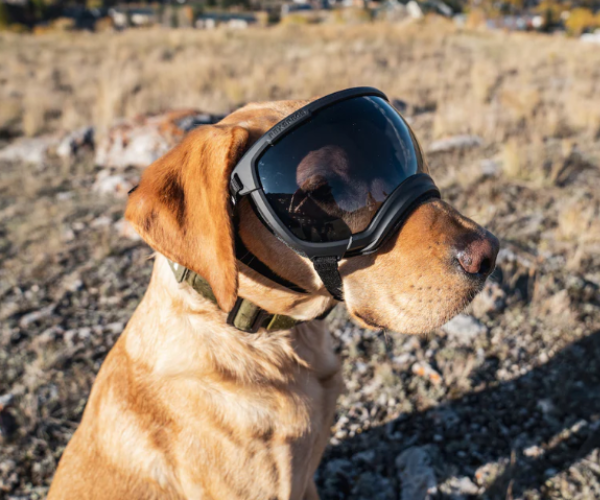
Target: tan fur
x=185, y=406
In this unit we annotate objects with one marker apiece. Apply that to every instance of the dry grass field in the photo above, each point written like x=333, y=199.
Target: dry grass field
x=493, y=84
x=515, y=412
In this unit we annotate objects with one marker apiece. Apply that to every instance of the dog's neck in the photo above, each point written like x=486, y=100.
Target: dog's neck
x=189, y=335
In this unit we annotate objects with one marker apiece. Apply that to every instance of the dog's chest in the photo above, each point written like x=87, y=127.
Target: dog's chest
x=263, y=443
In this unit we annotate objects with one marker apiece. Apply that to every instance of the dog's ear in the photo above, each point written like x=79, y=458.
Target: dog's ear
x=181, y=207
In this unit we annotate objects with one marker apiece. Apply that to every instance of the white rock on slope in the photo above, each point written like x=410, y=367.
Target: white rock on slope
x=455, y=142
x=416, y=473
x=464, y=328
x=28, y=150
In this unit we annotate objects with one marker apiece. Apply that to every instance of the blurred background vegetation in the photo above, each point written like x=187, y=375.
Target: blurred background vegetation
x=572, y=16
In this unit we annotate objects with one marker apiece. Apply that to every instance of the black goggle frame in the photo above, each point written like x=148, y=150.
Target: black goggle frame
x=245, y=181
x=413, y=191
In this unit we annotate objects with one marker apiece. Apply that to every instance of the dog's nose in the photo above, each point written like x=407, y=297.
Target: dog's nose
x=478, y=256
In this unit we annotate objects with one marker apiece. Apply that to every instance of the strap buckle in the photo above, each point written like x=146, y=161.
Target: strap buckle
x=246, y=316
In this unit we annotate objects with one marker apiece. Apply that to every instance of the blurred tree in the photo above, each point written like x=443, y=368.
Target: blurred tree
x=166, y=16
x=580, y=20
x=39, y=9
x=551, y=11
x=514, y=6
x=480, y=10
x=4, y=16
x=476, y=19
x=94, y=4
x=185, y=17
x=197, y=10
x=590, y=4
x=228, y=4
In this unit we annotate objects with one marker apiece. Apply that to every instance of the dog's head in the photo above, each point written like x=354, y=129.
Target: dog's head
x=418, y=279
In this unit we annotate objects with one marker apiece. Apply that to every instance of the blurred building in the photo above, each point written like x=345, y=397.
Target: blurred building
x=225, y=20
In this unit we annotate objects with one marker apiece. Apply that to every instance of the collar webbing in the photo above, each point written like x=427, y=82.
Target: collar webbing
x=245, y=315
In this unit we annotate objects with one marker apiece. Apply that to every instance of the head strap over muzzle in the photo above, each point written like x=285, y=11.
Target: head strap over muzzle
x=327, y=269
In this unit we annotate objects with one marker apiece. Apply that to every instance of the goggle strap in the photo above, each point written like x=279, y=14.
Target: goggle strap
x=327, y=269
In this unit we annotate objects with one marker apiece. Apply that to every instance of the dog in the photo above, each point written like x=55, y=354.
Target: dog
x=323, y=167
x=187, y=407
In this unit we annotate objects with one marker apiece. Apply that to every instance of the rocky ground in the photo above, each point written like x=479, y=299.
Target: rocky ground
x=502, y=402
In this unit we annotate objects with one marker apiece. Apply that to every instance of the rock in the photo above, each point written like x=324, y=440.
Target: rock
x=444, y=416
x=339, y=467
x=403, y=359
x=558, y=305
x=374, y=487
x=8, y=475
x=414, y=10
x=487, y=473
x=338, y=477
x=68, y=234
x=6, y=400
x=533, y=451
x=458, y=488
x=127, y=146
x=417, y=474
x=126, y=230
x=400, y=105
x=111, y=184
x=115, y=328
x=454, y=143
x=7, y=466
x=28, y=150
x=65, y=195
x=546, y=406
x=8, y=424
x=195, y=120
x=72, y=282
x=464, y=329
x=74, y=141
x=442, y=8
x=365, y=457
x=34, y=316
x=490, y=168
x=424, y=370
x=64, y=149
x=492, y=299
x=102, y=221
x=143, y=148
x=391, y=11
x=511, y=255
x=591, y=37
x=139, y=142
x=361, y=367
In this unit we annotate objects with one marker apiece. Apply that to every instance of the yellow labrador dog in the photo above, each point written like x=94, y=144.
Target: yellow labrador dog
x=186, y=406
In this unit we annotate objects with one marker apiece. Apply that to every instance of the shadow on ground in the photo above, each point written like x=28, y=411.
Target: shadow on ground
x=563, y=416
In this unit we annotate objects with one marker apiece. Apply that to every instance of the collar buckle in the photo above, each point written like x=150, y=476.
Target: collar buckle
x=246, y=316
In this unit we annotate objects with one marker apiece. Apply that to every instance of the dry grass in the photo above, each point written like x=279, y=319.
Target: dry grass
x=492, y=84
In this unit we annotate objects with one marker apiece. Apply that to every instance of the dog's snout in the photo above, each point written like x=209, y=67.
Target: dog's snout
x=477, y=257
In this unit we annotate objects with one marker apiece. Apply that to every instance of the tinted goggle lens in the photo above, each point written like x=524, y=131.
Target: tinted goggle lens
x=327, y=179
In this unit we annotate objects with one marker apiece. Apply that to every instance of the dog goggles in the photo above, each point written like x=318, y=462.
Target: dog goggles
x=336, y=178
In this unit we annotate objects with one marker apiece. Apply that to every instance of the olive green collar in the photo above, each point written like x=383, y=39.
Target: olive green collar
x=245, y=315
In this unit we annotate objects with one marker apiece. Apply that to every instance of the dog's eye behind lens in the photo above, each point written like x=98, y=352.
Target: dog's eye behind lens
x=346, y=159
